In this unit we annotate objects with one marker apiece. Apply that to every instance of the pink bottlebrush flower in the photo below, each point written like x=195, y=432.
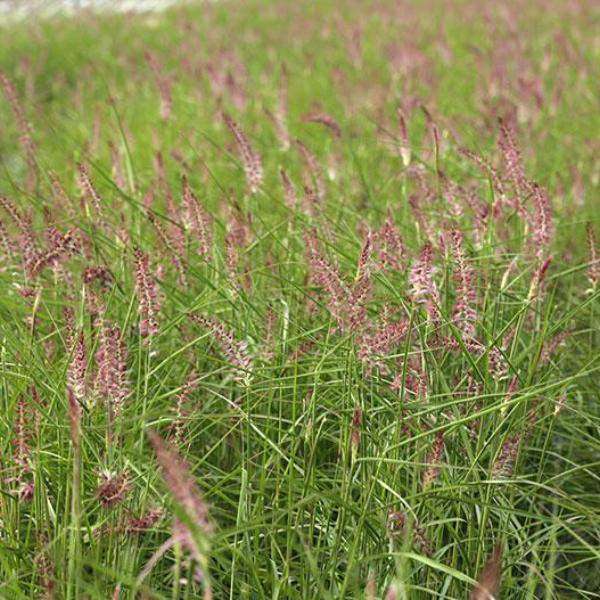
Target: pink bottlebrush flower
x=21, y=458
x=326, y=120
x=144, y=523
x=416, y=205
x=112, y=488
x=513, y=163
x=76, y=372
x=537, y=280
x=550, y=346
x=289, y=193
x=357, y=418
x=453, y=195
x=25, y=137
x=488, y=582
x=237, y=238
x=361, y=288
x=487, y=169
x=559, y=404
x=111, y=379
x=22, y=451
x=12, y=98
x=232, y=262
x=45, y=569
x=61, y=246
x=23, y=222
x=405, y=152
x=371, y=588
x=364, y=260
x=433, y=458
x=423, y=287
x=251, y=160
x=181, y=400
x=172, y=243
x=497, y=363
x=416, y=380
x=75, y=413
x=148, y=199
x=347, y=304
x=325, y=275
x=465, y=314
x=314, y=170
x=513, y=387
x=69, y=319
x=480, y=215
x=281, y=130
x=310, y=201
x=100, y=274
x=593, y=271
x=60, y=196
x=199, y=220
x=433, y=130
x=6, y=243
x=238, y=228
x=542, y=228
x=185, y=492
x=505, y=461
x=163, y=84
x=147, y=295
x=389, y=244
x=374, y=345
x=87, y=188
x=235, y=351
x=397, y=525
x=26, y=242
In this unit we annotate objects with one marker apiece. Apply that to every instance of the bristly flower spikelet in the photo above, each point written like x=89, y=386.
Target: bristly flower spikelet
x=488, y=582
x=235, y=351
x=111, y=383
x=88, y=191
x=465, y=313
x=198, y=220
x=593, y=270
x=193, y=532
x=250, y=159
x=423, y=287
x=147, y=295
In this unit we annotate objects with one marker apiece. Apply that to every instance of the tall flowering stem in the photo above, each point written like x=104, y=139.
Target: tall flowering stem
x=250, y=159
x=488, y=582
x=25, y=135
x=388, y=244
x=198, y=220
x=433, y=458
x=593, y=271
x=75, y=414
x=289, y=193
x=465, y=314
x=314, y=169
x=76, y=372
x=147, y=295
x=423, y=288
x=194, y=528
x=542, y=227
x=514, y=164
x=87, y=188
x=235, y=351
x=111, y=382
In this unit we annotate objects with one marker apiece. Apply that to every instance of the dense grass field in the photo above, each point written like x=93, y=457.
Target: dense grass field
x=301, y=300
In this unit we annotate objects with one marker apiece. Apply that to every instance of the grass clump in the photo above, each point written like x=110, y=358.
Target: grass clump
x=300, y=301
